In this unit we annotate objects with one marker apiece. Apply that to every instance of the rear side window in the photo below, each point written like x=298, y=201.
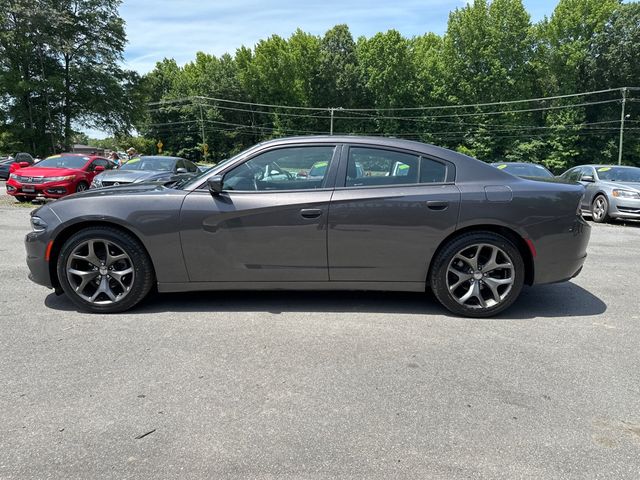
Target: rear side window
x=377, y=167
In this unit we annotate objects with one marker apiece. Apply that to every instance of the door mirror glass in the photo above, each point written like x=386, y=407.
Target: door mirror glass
x=587, y=178
x=181, y=170
x=215, y=184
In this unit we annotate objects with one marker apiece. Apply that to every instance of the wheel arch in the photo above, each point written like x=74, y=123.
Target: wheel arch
x=515, y=237
x=70, y=230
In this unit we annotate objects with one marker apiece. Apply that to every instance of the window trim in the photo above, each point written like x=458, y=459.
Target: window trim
x=341, y=181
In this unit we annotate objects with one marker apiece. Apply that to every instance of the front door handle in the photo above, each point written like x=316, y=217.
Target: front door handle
x=437, y=205
x=310, y=212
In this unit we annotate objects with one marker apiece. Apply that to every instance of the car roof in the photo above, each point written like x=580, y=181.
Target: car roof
x=606, y=166
x=164, y=157
x=517, y=163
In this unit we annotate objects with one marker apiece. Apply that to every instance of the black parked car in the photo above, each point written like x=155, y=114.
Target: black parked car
x=385, y=214
x=8, y=165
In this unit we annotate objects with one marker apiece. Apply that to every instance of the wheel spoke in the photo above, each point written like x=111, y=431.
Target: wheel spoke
x=111, y=259
x=493, y=288
x=117, y=276
x=462, y=278
x=86, y=277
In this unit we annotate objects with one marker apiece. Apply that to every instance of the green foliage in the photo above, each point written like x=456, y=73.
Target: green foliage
x=60, y=70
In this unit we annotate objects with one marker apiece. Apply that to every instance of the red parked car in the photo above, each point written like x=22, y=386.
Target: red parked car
x=56, y=176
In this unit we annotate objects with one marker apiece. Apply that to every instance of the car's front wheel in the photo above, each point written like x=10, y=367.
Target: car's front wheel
x=477, y=274
x=104, y=270
x=600, y=209
x=82, y=186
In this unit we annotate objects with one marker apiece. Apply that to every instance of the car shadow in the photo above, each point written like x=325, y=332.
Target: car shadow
x=559, y=300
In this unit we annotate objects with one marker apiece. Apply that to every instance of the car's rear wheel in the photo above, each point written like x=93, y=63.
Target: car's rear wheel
x=477, y=274
x=104, y=270
x=600, y=209
x=82, y=186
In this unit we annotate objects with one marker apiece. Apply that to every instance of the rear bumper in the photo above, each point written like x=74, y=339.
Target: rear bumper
x=560, y=256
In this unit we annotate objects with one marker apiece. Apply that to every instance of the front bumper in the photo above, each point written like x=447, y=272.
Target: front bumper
x=624, y=208
x=43, y=190
x=36, y=244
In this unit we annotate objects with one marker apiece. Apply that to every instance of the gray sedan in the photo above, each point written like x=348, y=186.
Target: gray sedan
x=147, y=169
x=386, y=214
x=611, y=191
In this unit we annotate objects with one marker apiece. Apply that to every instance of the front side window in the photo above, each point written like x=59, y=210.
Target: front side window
x=292, y=168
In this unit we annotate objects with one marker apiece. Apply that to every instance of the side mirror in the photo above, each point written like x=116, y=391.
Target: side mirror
x=181, y=170
x=587, y=178
x=215, y=184
x=24, y=164
x=98, y=169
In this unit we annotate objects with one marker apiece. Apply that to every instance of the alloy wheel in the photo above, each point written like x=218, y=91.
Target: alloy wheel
x=480, y=276
x=100, y=272
x=599, y=208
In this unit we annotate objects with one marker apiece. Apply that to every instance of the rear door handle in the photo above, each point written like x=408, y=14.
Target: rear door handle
x=437, y=205
x=310, y=212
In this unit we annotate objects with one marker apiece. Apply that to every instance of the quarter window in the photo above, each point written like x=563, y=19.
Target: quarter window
x=292, y=168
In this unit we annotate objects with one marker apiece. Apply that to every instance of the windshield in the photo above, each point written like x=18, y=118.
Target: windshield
x=525, y=170
x=149, y=163
x=619, y=174
x=64, y=161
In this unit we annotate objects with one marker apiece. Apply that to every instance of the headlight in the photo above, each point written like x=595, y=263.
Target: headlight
x=13, y=176
x=38, y=225
x=59, y=179
x=626, y=194
x=96, y=183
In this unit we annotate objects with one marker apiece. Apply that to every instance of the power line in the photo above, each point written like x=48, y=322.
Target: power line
x=441, y=107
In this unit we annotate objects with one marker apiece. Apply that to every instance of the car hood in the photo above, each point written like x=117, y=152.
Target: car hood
x=46, y=172
x=628, y=185
x=121, y=191
x=131, y=176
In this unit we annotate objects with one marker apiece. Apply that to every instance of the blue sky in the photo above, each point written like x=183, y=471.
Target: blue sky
x=180, y=28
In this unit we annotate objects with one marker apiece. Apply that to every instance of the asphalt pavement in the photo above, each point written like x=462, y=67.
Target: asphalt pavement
x=323, y=385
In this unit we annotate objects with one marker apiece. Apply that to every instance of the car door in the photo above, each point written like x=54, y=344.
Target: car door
x=389, y=212
x=268, y=224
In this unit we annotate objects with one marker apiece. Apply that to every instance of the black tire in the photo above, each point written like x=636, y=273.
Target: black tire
x=600, y=209
x=143, y=273
x=22, y=198
x=440, y=274
x=82, y=186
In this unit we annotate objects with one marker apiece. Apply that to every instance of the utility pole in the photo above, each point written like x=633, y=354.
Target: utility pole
x=622, y=118
x=205, y=147
x=331, y=111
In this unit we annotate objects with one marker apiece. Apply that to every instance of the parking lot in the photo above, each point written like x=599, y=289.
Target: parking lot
x=323, y=385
